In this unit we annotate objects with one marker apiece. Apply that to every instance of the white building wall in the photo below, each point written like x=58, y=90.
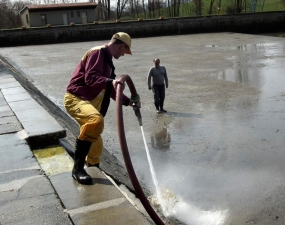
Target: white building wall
x=55, y=18
x=25, y=19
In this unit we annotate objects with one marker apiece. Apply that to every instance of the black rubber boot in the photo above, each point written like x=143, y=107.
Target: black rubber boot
x=78, y=171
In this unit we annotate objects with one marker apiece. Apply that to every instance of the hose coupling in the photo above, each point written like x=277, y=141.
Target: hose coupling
x=136, y=108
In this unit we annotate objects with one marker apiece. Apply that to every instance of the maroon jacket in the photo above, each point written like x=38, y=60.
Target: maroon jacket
x=92, y=75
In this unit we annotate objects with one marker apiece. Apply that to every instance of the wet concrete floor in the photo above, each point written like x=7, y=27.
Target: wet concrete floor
x=218, y=151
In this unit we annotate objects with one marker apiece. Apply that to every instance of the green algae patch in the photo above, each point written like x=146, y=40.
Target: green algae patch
x=54, y=160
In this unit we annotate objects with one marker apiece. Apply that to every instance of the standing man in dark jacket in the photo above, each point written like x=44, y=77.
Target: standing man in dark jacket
x=157, y=74
x=87, y=99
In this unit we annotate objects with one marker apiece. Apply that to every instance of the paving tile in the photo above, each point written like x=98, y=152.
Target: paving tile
x=15, y=154
x=43, y=126
x=10, y=85
x=13, y=90
x=4, y=108
x=31, y=114
x=8, y=119
x=115, y=215
x=5, y=111
x=6, y=79
x=2, y=99
x=4, y=74
x=24, y=104
x=34, y=187
x=17, y=97
x=84, y=195
x=9, y=124
x=45, y=209
x=7, y=140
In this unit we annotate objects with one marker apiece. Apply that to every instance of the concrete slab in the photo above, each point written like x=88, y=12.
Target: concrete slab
x=28, y=190
x=5, y=108
x=9, y=124
x=45, y=209
x=14, y=90
x=9, y=119
x=25, y=104
x=2, y=100
x=31, y=114
x=9, y=85
x=5, y=111
x=84, y=195
x=7, y=140
x=16, y=179
x=17, y=97
x=15, y=154
x=41, y=128
x=7, y=79
x=4, y=74
x=115, y=215
x=46, y=126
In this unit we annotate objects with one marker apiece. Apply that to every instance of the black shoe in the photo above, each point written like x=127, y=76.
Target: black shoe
x=81, y=176
x=78, y=171
x=163, y=111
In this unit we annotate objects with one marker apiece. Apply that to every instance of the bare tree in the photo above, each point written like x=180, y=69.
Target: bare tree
x=211, y=6
x=137, y=7
x=9, y=13
x=169, y=8
x=143, y=7
x=157, y=7
x=121, y=5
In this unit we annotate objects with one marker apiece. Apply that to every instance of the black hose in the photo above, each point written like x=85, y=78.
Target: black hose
x=125, y=151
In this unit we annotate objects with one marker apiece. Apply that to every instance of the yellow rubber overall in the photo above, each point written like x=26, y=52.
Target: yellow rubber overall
x=91, y=122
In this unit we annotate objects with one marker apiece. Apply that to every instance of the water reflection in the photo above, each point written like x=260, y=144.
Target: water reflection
x=238, y=75
x=254, y=47
x=161, y=139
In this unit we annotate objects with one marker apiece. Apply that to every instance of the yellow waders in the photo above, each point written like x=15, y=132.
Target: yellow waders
x=91, y=122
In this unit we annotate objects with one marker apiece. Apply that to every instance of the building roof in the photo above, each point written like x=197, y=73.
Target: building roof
x=56, y=7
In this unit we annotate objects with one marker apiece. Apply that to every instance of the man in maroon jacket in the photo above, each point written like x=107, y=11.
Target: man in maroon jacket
x=87, y=99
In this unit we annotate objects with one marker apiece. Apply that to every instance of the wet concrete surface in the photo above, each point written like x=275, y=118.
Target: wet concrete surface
x=36, y=185
x=219, y=149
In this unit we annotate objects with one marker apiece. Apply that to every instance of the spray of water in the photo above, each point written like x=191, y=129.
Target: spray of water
x=158, y=193
x=172, y=206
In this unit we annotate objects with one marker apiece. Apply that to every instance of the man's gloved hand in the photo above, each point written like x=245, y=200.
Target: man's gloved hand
x=116, y=82
x=136, y=100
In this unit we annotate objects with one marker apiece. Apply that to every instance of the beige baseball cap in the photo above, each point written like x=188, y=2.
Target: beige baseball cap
x=124, y=37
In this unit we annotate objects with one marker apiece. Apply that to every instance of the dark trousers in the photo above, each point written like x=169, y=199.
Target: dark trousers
x=159, y=95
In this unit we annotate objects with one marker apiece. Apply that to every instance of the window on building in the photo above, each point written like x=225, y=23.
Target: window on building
x=71, y=14
x=27, y=18
x=78, y=13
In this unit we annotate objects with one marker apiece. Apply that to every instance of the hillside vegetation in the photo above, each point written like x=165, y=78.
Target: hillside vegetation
x=227, y=7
